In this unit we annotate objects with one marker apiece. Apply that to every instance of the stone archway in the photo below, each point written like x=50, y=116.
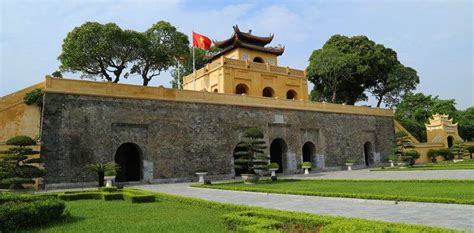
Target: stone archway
x=278, y=150
x=291, y=95
x=128, y=157
x=268, y=92
x=258, y=60
x=368, y=154
x=309, y=149
x=241, y=89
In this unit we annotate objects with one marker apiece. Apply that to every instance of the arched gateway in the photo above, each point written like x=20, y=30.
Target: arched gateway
x=128, y=157
x=278, y=150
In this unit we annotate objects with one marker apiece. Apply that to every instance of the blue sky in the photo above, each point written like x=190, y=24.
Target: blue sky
x=433, y=37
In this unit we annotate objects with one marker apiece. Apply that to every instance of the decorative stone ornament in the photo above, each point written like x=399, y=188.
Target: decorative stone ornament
x=108, y=181
x=201, y=176
x=391, y=163
x=306, y=169
x=349, y=166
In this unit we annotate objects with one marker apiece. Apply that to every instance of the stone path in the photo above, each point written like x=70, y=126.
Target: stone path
x=390, y=175
x=442, y=215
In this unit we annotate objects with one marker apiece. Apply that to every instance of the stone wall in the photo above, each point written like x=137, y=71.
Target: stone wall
x=178, y=138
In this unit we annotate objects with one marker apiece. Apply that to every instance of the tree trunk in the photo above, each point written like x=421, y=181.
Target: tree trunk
x=145, y=81
x=100, y=176
x=379, y=102
x=333, y=98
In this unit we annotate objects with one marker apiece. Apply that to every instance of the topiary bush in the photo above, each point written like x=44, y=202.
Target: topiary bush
x=21, y=211
x=136, y=196
x=112, y=196
x=21, y=140
x=307, y=164
x=72, y=196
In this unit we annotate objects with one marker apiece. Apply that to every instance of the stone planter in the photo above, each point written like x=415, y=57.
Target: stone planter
x=273, y=170
x=108, y=181
x=250, y=178
x=201, y=176
x=349, y=166
x=391, y=163
x=306, y=169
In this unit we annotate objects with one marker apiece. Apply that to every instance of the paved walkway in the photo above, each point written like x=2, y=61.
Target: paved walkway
x=390, y=175
x=442, y=215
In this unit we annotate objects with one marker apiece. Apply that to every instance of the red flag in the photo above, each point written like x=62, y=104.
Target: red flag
x=201, y=41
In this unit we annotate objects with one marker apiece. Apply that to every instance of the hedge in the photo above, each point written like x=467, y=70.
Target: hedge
x=138, y=196
x=20, y=211
x=257, y=219
x=72, y=196
x=112, y=196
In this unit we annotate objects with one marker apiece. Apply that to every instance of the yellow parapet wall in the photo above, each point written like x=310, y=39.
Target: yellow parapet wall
x=107, y=89
x=17, y=118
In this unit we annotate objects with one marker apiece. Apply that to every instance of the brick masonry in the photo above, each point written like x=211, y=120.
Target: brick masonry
x=178, y=138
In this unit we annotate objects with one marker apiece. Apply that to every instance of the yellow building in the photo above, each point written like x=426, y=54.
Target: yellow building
x=246, y=66
x=442, y=130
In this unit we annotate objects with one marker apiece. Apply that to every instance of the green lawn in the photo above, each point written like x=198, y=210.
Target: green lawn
x=181, y=214
x=442, y=191
x=122, y=216
x=442, y=165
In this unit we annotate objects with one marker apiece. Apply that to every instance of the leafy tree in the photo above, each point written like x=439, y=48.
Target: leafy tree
x=249, y=155
x=390, y=87
x=330, y=70
x=100, y=169
x=96, y=49
x=459, y=149
x=186, y=64
x=471, y=151
x=157, y=50
x=466, y=123
x=16, y=168
x=415, y=109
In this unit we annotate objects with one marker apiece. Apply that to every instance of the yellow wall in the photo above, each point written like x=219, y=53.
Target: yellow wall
x=17, y=118
x=239, y=53
x=82, y=87
x=225, y=74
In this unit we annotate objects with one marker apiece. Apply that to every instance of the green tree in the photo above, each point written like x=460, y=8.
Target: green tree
x=186, y=64
x=57, y=74
x=415, y=109
x=465, y=121
x=158, y=49
x=249, y=155
x=16, y=167
x=459, y=149
x=391, y=86
x=96, y=49
x=330, y=70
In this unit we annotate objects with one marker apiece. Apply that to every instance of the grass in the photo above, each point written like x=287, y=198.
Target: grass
x=440, y=191
x=181, y=214
x=441, y=165
x=122, y=216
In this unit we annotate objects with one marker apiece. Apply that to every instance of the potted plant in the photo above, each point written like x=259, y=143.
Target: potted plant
x=306, y=166
x=109, y=176
x=349, y=164
x=100, y=169
x=392, y=159
x=273, y=167
x=201, y=173
x=249, y=157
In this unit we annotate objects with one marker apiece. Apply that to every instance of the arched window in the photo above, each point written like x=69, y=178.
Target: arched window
x=258, y=60
x=450, y=141
x=215, y=90
x=241, y=89
x=268, y=92
x=291, y=95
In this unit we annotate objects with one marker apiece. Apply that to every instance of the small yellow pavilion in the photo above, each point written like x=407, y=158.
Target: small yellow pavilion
x=442, y=130
x=246, y=66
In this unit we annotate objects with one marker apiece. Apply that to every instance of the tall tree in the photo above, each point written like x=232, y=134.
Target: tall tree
x=330, y=70
x=158, y=49
x=391, y=86
x=466, y=124
x=96, y=49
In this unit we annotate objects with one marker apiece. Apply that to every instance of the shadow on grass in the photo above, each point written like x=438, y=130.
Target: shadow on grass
x=65, y=219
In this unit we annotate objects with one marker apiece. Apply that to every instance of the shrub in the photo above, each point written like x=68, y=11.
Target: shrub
x=410, y=157
x=446, y=153
x=432, y=154
x=20, y=211
x=79, y=196
x=100, y=169
x=136, y=196
x=35, y=96
x=250, y=156
x=393, y=158
x=108, y=189
x=112, y=196
x=21, y=141
x=273, y=165
x=349, y=161
x=110, y=173
x=307, y=164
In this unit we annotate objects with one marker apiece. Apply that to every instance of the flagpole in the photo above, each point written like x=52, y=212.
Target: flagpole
x=194, y=66
x=179, y=76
